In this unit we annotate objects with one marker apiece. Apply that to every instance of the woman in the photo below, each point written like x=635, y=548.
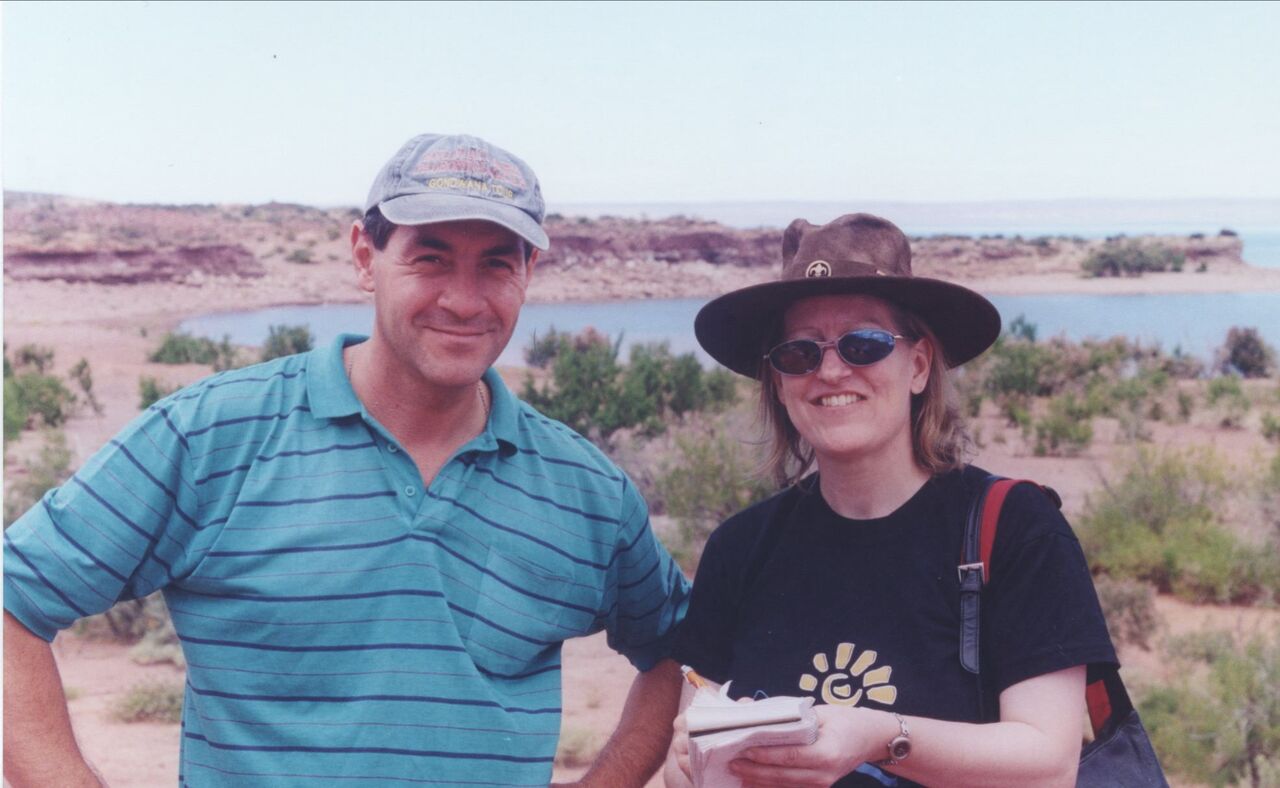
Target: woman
x=844, y=586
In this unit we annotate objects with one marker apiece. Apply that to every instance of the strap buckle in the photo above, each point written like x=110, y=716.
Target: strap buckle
x=976, y=566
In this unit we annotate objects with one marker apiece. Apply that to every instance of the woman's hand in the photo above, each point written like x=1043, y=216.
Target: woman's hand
x=847, y=737
x=677, y=773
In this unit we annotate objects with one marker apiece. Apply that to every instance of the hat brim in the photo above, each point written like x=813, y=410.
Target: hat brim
x=734, y=328
x=414, y=209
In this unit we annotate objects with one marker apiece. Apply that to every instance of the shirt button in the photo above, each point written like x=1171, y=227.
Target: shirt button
x=410, y=491
x=391, y=447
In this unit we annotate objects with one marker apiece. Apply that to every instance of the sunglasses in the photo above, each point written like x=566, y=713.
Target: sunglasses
x=859, y=348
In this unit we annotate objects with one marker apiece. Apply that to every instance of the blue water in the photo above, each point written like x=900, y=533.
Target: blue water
x=1197, y=323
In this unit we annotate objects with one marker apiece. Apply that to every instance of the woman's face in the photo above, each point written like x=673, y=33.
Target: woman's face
x=846, y=412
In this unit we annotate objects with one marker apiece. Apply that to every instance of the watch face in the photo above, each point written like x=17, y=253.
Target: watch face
x=900, y=748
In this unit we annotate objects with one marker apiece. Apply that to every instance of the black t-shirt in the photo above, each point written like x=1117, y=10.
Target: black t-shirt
x=790, y=598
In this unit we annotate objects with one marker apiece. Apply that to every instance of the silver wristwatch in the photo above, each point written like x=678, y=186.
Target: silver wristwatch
x=900, y=745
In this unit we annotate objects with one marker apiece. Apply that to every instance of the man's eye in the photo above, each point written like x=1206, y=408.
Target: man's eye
x=500, y=263
x=430, y=259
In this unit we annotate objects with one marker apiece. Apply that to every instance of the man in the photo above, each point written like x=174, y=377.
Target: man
x=372, y=552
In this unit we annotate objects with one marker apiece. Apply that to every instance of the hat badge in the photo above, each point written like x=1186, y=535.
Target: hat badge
x=818, y=268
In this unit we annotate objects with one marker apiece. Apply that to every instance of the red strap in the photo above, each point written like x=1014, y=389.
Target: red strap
x=990, y=518
x=1099, y=702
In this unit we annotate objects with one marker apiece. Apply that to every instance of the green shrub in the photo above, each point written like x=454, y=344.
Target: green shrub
x=543, y=350
x=300, y=255
x=1065, y=430
x=1220, y=722
x=594, y=394
x=38, y=356
x=151, y=391
x=150, y=702
x=50, y=468
x=1226, y=394
x=286, y=340
x=584, y=384
x=1270, y=427
x=83, y=377
x=578, y=747
x=44, y=399
x=15, y=411
x=1130, y=610
x=177, y=348
x=148, y=623
x=1186, y=404
x=1246, y=354
x=1161, y=522
x=712, y=479
x=1116, y=258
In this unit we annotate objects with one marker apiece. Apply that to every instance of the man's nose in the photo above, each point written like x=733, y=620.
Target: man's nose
x=462, y=295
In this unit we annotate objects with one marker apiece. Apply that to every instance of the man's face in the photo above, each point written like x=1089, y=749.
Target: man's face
x=446, y=296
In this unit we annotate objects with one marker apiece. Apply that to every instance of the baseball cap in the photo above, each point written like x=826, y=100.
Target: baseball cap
x=450, y=177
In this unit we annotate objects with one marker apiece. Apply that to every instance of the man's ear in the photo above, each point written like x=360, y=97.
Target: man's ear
x=528, y=266
x=362, y=256
x=923, y=357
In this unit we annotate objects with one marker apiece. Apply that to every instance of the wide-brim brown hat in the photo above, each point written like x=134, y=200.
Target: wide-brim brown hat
x=856, y=253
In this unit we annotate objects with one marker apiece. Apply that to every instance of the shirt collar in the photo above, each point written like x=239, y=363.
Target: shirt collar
x=331, y=395
x=328, y=387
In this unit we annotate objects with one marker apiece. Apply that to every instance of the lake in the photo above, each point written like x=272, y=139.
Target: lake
x=1197, y=323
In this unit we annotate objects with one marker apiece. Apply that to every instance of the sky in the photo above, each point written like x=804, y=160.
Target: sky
x=617, y=102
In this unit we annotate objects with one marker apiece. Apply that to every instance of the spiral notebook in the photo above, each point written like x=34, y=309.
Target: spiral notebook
x=720, y=728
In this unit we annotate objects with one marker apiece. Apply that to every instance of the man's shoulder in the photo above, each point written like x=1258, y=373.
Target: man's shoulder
x=540, y=438
x=241, y=393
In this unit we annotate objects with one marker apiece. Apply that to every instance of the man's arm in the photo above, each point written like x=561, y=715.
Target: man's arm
x=39, y=747
x=639, y=744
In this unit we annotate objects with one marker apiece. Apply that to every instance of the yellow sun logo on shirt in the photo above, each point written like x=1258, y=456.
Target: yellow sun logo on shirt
x=851, y=680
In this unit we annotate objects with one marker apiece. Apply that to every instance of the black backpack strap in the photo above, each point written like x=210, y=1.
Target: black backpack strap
x=975, y=566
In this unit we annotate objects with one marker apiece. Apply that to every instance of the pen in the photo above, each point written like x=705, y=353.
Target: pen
x=693, y=677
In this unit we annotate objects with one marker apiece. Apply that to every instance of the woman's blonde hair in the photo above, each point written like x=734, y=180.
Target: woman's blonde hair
x=939, y=440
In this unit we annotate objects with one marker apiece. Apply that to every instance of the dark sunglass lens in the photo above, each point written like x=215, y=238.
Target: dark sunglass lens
x=865, y=346
x=796, y=358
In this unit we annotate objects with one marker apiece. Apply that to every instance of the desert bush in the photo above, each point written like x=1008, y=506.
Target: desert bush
x=712, y=478
x=584, y=381
x=38, y=356
x=1021, y=328
x=596, y=395
x=1270, y=427
x=1160, y=521
x=577, y=747
x=178, y=348
x=1245, y=353
x=1130, y=610
x=43, y=398
x=151, y=391
x=1226, y=394
x=83, y=376
x=1186, y=404
x=1117, y=258
x=542, y=350
x=50, y=468
x=1065, y=430
x=1220, y=722
x=15, y=412
x=155, y=701
x=285, y=340
x=158, y=640
x=300, y=255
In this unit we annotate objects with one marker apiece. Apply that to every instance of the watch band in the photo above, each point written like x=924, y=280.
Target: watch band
x=899, y=746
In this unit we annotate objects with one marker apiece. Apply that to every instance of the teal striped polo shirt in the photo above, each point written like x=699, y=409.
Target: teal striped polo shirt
x=343, y=625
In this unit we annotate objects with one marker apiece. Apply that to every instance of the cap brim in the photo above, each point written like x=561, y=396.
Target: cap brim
x=413, y=209
x=734, y=328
